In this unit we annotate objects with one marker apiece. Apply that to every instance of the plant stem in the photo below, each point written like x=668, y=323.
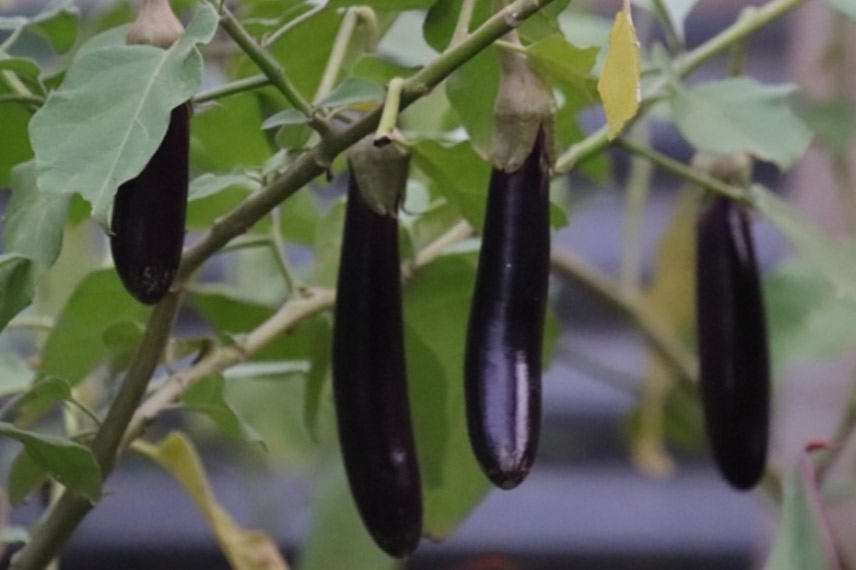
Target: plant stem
x=232, y=88
x=27, y=100
x=692, y=174
x=389, y=116
x=289, y=26
x=465, y=17
x=661, y=340
x=61, y=521
x=749, y=21
x=636, y=198
x=265, y=62
x=337, y=54
x=278, y=245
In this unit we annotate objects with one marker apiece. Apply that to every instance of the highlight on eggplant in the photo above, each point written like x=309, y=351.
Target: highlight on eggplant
x=147, y=224
x=369, y=367
x=505, y=331
x=732, y=343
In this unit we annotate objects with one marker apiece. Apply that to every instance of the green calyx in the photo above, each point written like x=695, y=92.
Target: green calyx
x=733, y=169
x=381, y=173
x=156, y=25
x=524, y=106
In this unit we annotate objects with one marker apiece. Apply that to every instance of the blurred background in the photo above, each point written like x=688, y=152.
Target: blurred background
x=595, y=499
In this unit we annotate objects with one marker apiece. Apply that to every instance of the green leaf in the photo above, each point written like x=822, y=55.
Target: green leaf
x=567, y=66
x=56, y=23
x=741, y=115
x=833, y=259
x=17, y=283
x=244, y=549
x=619, y=84
x=111, y=113
x=68, y=462
x=15, y=142
x=544, y=22
x=804, y=538
x=317, y=379
x=436, y=303
x=26, y=70
x=245, y=146
x=834, y=122
x=15, y=374
x=456, y=173
x=121, y=340
x=334, y=515
x=207, y=397
x=76, y=344
x=44, y=394
x=299, y=218
x=34, y=219
x=328, y=244
x=806, y=318
x=353, y=91
x=285, y=117
x=472, y=91
x=25, y=476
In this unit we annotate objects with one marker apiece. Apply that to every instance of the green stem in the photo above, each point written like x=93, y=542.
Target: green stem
x=278, y=245
x=265, y=62
x=465, y=18
x=636, y=198
x=291, y=25
x=661, y=340
x=749, y=21
x=337, y=54
x=691, y=174
x=389, y=116
x=232, y=88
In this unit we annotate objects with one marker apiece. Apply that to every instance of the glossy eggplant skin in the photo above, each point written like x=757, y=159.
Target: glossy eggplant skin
x=147, y=227
x=502, y=376
x=370, y=380
x=732, y=343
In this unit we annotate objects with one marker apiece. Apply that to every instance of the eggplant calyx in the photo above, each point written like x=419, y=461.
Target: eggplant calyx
x=381, y=173
x=156, y=25
x=524, y=106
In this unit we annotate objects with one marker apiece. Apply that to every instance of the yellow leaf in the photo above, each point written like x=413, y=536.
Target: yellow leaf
x=619, y=81
x=672, y=298
x=245, y=549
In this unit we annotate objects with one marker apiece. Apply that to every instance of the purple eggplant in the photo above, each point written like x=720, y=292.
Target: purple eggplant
x=504, y=337
x=370, y=376
x=732, y=343
x=147, y=227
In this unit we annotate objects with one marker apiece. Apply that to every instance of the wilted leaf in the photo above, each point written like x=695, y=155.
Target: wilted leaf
x=619, y=84
x=245, y=549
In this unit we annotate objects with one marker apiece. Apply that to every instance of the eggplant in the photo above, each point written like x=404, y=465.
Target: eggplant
x=370, y=373
x=502, y=374
x=147, y=225
x=732, y=343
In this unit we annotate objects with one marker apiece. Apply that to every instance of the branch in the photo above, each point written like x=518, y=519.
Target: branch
x=233, y=88
x=265, y=62
x=667, y=346
x=50, y=536
x=689, y=173
x=23, y=99
x=749, y=21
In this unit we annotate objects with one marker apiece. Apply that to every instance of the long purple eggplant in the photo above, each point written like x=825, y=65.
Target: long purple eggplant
x=732, y=343
x=503, y=354
x=370, y=377
x=147, y=228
